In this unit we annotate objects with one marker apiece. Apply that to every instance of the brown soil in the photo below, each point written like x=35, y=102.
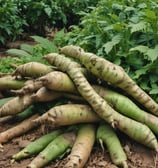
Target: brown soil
x=138, y=155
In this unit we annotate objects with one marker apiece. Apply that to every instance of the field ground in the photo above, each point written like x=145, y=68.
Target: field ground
x=138, y=155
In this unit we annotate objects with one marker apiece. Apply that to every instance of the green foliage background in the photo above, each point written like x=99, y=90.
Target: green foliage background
x=11, y=23
x=124, y=32
x=19, y=16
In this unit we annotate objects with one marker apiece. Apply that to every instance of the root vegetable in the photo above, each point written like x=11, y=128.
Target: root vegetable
x=118, y=101
x=6, y=119
x=37, y=146
x=58, y=81
x=20, y=116
x=73, y=97
x=29, y=87
x=55, y=148
x=128, y=108
x=107, y=135
x=100, y=106
x=7, y=83
x=5, y=100
x=45, y=95
x=32, y=69
x=29, y=111
x=2, y=74
x=82, y=147
x=111, y=73
x=68, y=114
x=16, y=105
x=18, y=130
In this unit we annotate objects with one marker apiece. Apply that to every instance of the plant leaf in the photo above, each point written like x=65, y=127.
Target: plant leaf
x=154, y=91
x=141, y=48
x=26, y=47
x=140, y=72
x=141, y=26
x=150, y=14
x=109, y=45
x=58, y=36
x=152, y=54
x=18, y=52
x=45, y=43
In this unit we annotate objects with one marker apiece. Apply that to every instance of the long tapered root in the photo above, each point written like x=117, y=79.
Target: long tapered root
x=16, y=105
x=82, y=147
x=111, y=73
x=32, y=69
x=68, y=114
x=18, y=129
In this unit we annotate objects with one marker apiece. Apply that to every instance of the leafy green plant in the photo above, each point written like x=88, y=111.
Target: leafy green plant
x=28, y=53
x=33, y=16
x=56, y=13
x=11, y=24
x=124, y=33
x=8, y=64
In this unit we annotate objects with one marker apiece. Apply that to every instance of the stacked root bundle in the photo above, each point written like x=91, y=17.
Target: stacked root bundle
x=83, y=102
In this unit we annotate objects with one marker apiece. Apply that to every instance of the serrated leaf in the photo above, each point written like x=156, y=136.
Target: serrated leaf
x=109, y=45
x=141, y=48
x=152, y=54
x=141, y=26
x=45, y=43
x=154, y=91
x=18, y=52
x=58, y=36
x=116, y=39
x=139, y=72
x=26, y=47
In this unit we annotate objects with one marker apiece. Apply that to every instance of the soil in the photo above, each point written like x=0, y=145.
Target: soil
x=138, y=155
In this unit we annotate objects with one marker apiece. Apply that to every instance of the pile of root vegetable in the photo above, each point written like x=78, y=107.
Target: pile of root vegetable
x=81, y=99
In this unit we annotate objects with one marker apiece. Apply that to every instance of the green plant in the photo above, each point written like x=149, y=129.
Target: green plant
x=36, y=146
x=28, y=53
x=126, y=34
x=7, y=63
x=56, y=13
x=11, y=24
x=34, y=16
